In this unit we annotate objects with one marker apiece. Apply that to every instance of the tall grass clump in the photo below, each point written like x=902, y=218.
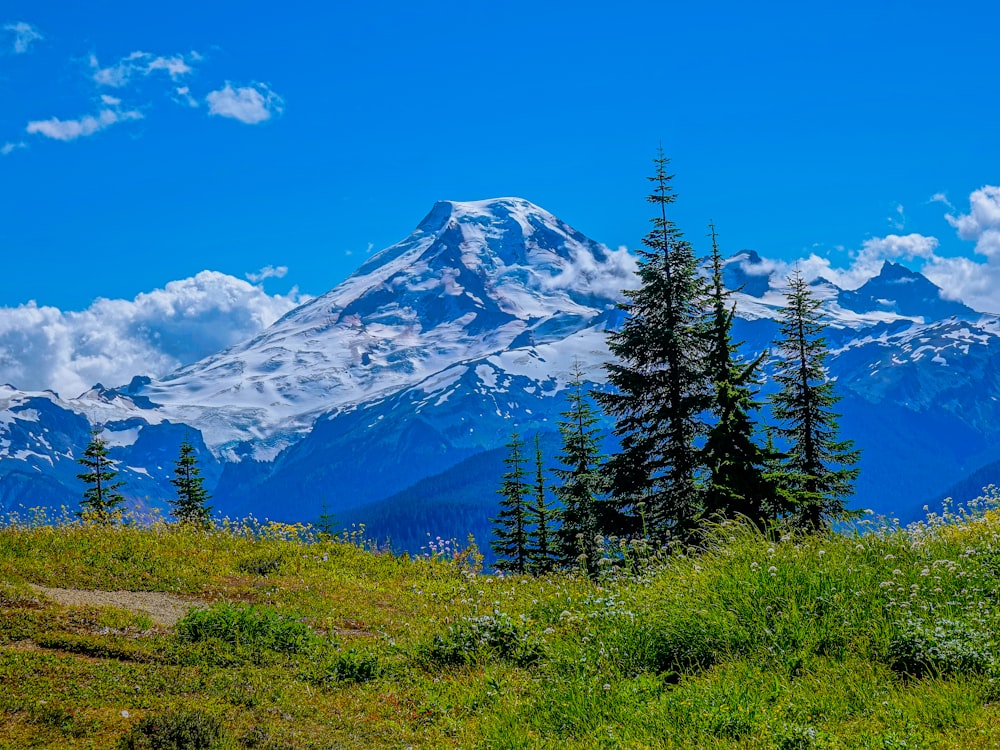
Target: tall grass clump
x=246, y=627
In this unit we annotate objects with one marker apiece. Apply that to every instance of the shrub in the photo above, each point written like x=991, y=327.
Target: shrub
x=486, y=638
x=262, y=564
x=182, y=729
x=344, y=666
x=945, y=648
x=43, y=715
x=257, y=738
x=246, y=627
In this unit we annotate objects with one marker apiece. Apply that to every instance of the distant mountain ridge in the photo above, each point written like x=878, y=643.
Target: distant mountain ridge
x=422, y=361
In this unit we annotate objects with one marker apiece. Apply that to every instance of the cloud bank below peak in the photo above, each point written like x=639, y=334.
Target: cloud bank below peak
x=112, y=340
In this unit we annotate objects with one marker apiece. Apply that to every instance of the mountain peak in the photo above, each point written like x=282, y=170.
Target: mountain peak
x=473, y=279
x=903, y=291
x=894, y=272
x=492, y=209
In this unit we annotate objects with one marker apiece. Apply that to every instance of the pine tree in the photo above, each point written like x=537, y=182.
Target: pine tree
x=510, y=527
x=100, y=499
x=736, y=483
x=581, y=483
x=326, y=524
x=540, y=517
x=189, y=505
x=817, y=470
x=661, y=389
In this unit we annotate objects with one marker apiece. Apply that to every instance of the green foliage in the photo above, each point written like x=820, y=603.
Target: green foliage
x=249, y=628
x=492, y=637
x=258, y=738
x=510, y=527
x=541, y=519
x=189, y=505
x=43, y=714
x=264, y=563
x=750, y=640
x=100, y=499
x=350, y=665
x=736, y=481
x=181, y=729
x=944, y=647
x=817, y=474
x=660, y=385
x=580, y=482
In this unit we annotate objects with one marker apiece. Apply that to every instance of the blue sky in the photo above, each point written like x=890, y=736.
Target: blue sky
x=142, y=144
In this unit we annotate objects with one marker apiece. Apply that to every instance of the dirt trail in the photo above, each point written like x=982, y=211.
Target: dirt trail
x=164, y=609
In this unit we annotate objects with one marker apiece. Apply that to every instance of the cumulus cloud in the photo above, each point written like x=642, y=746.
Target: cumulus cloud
x=604, y=278
x=982, y=224
x=70, y=130
x=973, y=282
x=249, y=104
x=863, y=265
x=268, y=272
x=113, y=340
x=20, y=36
x=141, y=65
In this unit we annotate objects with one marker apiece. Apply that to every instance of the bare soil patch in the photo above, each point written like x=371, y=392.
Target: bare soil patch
x=163, y=609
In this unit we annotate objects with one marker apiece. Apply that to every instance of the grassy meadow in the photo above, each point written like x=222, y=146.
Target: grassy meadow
x=882, y=637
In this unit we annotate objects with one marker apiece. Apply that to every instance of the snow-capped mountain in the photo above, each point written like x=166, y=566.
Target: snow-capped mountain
x=472, y=280
x=391, y=396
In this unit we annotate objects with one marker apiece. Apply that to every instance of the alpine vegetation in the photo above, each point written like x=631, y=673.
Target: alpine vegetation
x=101, y=499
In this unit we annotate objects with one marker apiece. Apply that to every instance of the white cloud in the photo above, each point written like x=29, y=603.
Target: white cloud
x=589, y=275
x=898, y=218
x=182, y=95
x=113, y=340
x=982, y=223
x=141, y=64
x=941, y=198
x=8, y=148
x=70, y=130
x=267, y=272
x=23, y=36
x=975, y=283
x=864, y=264
x=250, y=104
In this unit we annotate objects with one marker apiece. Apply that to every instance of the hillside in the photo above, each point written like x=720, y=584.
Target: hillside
x=885, y=639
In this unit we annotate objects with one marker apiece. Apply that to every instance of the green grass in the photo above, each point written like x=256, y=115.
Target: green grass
x=887, y=639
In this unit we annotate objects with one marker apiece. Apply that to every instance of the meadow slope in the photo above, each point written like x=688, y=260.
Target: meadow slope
x=880, y=639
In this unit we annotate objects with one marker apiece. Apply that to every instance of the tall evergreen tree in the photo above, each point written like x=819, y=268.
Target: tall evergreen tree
x=736, y=483
x=101, y=498
x=818, y=469
x=510, y=527
x=189, y=505
x=661, y=388
x=540, y=516
x=581, y=483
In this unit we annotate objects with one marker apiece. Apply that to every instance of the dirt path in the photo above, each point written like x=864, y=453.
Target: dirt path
x=164, y=609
